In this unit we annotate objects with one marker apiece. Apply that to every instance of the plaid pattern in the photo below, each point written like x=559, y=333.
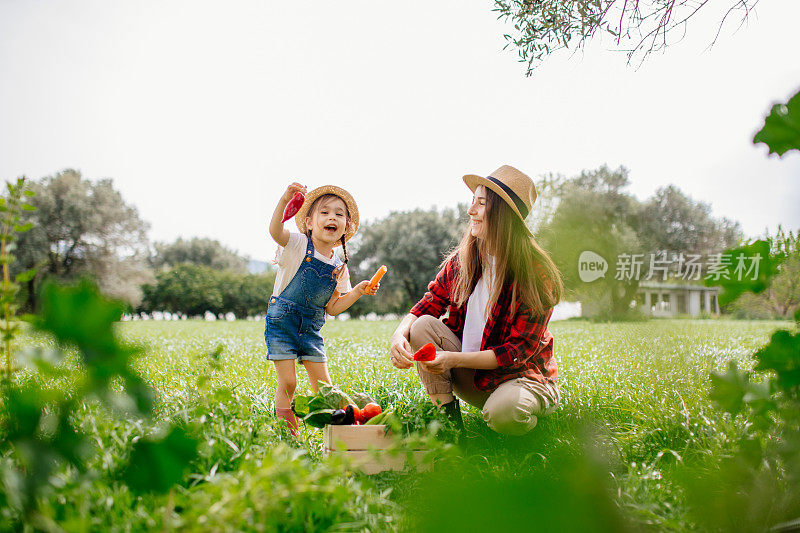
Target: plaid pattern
x=523, y=345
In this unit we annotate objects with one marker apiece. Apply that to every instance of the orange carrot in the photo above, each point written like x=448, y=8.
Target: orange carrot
x=377, y=277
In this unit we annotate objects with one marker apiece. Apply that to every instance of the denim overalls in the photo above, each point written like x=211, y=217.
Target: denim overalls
x=296, y=315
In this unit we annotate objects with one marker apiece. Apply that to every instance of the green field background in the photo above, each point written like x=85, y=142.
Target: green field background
x=642, y=388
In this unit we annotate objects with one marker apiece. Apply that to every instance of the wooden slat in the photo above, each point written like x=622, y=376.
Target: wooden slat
x=368, y=463
x=356, y=437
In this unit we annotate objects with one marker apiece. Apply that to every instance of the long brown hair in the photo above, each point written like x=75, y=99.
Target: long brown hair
x=346, y=212
x=518, y=260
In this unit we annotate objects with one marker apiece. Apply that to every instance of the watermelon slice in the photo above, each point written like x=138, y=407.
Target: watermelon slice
x=426, y=353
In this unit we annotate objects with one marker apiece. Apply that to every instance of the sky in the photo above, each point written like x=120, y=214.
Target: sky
x=202, y=112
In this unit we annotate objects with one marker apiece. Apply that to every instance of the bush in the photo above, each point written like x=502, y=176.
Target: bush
x=194, y=289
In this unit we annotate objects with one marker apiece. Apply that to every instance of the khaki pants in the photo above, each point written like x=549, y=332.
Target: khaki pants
x=513, y=408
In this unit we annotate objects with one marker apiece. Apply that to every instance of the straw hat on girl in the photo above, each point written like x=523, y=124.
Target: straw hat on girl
x=352, y=208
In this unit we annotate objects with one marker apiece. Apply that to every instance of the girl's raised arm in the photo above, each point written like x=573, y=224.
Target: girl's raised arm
x=276, y=229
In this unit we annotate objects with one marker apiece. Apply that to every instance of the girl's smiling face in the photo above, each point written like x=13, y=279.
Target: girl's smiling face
x=328, y=222
x=476, y=212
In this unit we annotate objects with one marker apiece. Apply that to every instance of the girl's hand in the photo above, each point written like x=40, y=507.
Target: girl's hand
x=444, y=361
x=402, y=356
x=291, y=189
x=364, y=288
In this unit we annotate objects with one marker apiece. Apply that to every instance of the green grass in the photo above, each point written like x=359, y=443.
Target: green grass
x=635, y=401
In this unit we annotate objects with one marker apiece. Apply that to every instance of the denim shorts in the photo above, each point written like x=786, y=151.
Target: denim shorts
x=292, y=332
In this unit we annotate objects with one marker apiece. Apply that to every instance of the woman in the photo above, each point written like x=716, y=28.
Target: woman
x=499, y=287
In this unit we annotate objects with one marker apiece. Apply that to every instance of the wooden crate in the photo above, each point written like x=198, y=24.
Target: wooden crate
x=359, y=444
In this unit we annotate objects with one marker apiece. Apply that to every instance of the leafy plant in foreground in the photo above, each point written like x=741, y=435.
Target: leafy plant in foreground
x=38, y=430
x=757, y=487
x=11, y=207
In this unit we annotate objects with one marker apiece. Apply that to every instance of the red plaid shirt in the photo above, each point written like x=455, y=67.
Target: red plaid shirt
x=522, y=343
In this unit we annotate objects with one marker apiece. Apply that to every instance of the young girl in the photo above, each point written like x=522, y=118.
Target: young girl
x=311, y=281
x=499, y=287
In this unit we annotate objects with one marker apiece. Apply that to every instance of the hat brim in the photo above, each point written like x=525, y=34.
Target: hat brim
x=302, y=213
x=473, y=181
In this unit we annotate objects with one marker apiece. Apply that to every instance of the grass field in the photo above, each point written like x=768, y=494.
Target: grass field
x=635, y=412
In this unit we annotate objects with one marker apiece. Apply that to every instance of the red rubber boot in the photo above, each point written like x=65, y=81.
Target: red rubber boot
x=287, y=414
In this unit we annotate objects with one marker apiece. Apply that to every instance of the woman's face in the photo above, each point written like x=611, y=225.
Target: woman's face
x=329, y=221
x=477, y=227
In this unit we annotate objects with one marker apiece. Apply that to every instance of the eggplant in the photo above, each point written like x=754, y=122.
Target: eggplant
x=338, y=417
x=349, y=416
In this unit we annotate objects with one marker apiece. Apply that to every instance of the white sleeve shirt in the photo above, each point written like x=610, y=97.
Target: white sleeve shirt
x=477, y=313
x=289, y=260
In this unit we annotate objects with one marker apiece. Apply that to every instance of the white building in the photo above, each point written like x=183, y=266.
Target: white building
x=666, y=300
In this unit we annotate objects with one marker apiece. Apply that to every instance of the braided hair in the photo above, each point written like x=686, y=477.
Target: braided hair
x=344, y=249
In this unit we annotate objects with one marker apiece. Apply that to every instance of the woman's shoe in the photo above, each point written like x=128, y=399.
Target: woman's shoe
x=453, y=412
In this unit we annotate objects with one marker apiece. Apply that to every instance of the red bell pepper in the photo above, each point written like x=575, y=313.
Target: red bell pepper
x=426, y=353
x=293, y=206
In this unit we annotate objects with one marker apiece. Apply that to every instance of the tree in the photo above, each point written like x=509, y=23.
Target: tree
x=594, y=214
x=186, y=288
x=84, y=228
x=639, y=27
x=246, y=295
x=670, y=220
x=194, y=289
x=200, y=251
x=412, y=244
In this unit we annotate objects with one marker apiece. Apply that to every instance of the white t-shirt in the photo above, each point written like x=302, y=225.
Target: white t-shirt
x=477, y=314
x=292, y=255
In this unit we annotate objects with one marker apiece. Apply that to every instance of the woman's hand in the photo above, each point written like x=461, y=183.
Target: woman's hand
x=402, y=356
x=444, y=361
x=364, y=288
x=291, y=190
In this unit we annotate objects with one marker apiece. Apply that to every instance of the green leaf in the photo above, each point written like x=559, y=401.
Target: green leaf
x=747, y=268
x=81, y=316
x=157, y=465
x=26, y=276
x=24, y=412
x=781, y=131
x=782, y=355
x=29, y=192
x=300, y=405
x=93, y=333
x=728, y=389
x=319, y=418
x=797, y=315
x=24, y=227
x=28, y=207
x=329, y=397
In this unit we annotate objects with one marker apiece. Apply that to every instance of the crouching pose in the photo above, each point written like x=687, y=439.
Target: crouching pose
x=499, y=288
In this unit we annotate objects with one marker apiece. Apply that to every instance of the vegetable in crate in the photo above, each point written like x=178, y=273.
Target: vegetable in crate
x=361, y=399
x=293, y=206
x=371, y=410
x=338, y=417
x=426, y=353
x=349, y=416
x=388, y=419
x=317, y=409
x=359, y=416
